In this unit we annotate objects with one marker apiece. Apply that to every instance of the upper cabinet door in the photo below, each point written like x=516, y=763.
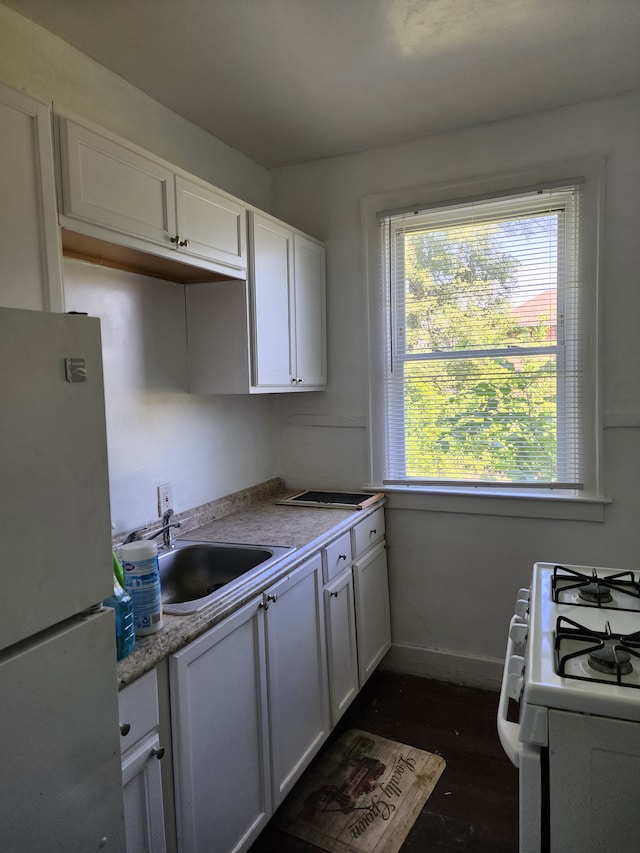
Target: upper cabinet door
x=116, y=187
x=310, y=322
x=210, y=224
x=30, y=255
x=271, y=293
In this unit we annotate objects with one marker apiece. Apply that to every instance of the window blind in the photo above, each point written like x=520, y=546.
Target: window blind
x=483, y=376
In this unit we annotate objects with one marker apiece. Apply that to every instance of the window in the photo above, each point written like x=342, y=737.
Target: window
x=486, y=376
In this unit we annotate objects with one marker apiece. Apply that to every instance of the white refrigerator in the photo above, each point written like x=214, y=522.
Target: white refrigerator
x=60, y=777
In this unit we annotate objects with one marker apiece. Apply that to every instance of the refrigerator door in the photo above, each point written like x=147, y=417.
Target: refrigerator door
x=55, y=525
x=61, y=783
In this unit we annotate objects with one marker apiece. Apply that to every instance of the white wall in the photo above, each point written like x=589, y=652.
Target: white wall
x=207, y=447
x=454, y=576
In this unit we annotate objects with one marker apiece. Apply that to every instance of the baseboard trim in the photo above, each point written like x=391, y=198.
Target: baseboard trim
x=442, y=665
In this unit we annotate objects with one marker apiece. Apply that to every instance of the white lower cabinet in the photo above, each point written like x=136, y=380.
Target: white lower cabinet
x=249, y=710
x=254, y=698
x=141, y=766
x=356, y=600
x=296, y=674
x=220, y=735
x=371, y=590
x=341, y=643
x=142, y=781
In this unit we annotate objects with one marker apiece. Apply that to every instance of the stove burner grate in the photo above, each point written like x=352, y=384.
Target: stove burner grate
x=606, y=653
x=593, y=590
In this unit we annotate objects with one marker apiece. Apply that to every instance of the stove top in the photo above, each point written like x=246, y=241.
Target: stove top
x=570, y=636
x=597, y=656
x=592, y=587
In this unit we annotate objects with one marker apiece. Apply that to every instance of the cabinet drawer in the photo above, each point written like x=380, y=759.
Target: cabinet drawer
x=337, y=556
x=368, y=531
x=138, y=708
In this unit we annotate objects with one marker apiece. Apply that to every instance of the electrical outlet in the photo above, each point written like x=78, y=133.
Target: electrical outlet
x=165, y=498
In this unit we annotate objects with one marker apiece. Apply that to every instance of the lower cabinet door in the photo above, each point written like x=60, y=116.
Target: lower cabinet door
x=220, y=738
x=143, y=807
x=340, y=617
x=296, y=674
x=371, y=589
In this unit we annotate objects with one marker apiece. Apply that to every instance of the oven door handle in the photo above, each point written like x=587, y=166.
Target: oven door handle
x=508, y=732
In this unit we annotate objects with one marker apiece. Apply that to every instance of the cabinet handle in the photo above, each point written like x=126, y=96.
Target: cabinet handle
x=175, y=239
x=265, y=604
x=297, y=380
x=372, y=532
x=342, y=556
x=158, y=752
x=183, y=243
x=333, y=594
x=125, y=728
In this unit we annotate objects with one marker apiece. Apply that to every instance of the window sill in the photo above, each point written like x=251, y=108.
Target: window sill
x=477, y=502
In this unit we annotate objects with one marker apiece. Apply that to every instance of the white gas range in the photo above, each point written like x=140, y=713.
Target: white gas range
x=573, y=665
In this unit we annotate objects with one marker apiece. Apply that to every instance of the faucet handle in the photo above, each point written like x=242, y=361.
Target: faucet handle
x=166, y=516
x=133, y=536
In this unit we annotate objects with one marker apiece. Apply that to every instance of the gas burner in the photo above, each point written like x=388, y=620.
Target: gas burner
x=611, y=659
x=598, y=656
x=611, y=591
x=595, y=593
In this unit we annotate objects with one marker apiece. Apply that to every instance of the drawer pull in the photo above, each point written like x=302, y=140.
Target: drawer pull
x=333, y=594
x=373, y=532
x=273, y=598
x=125, y=728
x=158, y=752
x=342, y=556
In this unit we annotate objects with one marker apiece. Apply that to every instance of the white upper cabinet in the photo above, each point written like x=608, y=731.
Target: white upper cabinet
x=256, y=320
x=212, y=225
x=266, y=335
x=107, y=184
x=30, y=255
x=113, y=191
x=271, y=275
x=287, y=275
x=309, y=312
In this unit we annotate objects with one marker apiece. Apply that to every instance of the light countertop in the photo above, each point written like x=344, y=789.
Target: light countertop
x=306, y=529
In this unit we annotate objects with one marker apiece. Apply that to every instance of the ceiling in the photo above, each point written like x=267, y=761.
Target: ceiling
x=288, y=81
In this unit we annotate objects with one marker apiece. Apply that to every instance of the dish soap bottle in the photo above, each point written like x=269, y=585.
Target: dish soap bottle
x=121, y=602
x=142, y=582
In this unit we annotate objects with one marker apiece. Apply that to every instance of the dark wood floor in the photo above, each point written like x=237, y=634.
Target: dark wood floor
x=474, y=807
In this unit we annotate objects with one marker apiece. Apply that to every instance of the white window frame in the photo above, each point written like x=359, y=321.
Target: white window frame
x=511, y=499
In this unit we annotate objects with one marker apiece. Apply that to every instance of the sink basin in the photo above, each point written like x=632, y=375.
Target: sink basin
x=193, y=573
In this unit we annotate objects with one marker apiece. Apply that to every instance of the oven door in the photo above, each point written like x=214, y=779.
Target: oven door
x=527, y=757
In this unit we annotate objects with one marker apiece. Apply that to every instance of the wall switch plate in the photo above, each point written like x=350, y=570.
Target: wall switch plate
x=165, y=498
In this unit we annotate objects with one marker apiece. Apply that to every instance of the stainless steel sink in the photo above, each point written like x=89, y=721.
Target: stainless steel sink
x=193, y=573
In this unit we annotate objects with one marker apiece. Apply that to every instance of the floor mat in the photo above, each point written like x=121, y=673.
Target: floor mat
x=362, y=795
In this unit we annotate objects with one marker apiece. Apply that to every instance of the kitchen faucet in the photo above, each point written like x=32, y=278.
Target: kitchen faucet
x=167, y=524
